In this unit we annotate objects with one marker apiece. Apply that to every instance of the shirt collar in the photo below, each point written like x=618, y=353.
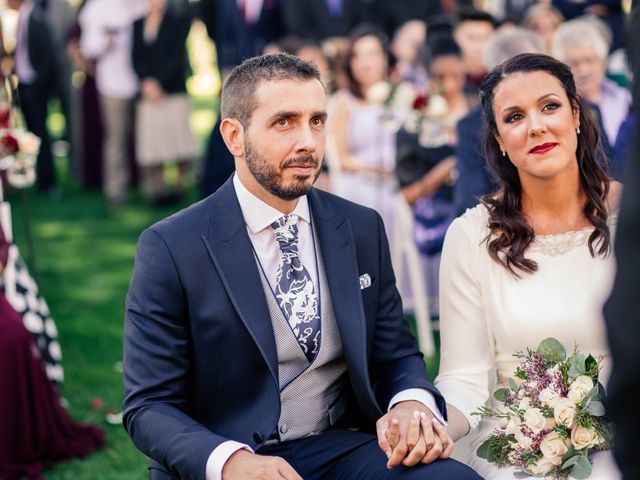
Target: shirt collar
x=258, y=215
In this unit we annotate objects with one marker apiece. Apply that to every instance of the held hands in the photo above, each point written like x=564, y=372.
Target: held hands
x=246, y=465
x=409, y=434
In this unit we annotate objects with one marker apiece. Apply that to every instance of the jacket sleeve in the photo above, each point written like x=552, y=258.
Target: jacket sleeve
x=157, y=365
x=396, y=363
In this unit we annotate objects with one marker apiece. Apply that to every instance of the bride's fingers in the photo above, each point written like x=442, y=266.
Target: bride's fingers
x=447, y=442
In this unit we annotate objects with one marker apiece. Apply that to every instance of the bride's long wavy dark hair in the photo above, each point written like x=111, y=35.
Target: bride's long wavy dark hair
x=510, y=234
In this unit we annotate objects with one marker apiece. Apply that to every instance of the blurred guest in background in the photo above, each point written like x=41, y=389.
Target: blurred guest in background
x=543, y=19
x=320, y=19
x=611, y=12
x=406, y=48
x=86, y=119
x=364, y=146
x=472, y=32
x=107, y=27
x=474, y=178
x=240, y=29
x=391, y=15
x=37, y=75
x=581, y=45
x=426, y=154
x=163, y=134
x=35, y=430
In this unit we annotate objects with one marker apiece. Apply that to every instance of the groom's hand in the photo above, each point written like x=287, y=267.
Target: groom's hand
x=246, y=465
x=409, y=434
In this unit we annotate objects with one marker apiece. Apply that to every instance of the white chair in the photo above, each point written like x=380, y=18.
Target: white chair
x=405, y=253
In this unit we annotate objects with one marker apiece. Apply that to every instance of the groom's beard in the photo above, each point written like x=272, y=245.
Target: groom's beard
x=270, y=177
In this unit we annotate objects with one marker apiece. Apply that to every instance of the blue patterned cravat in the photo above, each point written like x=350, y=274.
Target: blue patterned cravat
x=295, y=292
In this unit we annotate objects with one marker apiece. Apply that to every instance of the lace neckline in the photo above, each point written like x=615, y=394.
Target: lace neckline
x=560, y=243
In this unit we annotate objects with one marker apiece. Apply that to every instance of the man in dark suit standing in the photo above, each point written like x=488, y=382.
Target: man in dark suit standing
x=36, y=71
x=240, y=29
x=264, y=335
x=318, y=20
x=621, y=311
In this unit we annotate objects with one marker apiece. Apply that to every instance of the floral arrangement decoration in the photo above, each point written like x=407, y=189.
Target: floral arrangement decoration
x=550, y=417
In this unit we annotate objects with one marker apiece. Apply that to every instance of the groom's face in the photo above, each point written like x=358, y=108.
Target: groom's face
x=285, y=140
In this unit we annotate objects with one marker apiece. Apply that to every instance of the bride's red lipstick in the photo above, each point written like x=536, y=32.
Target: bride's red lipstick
x=544, y=148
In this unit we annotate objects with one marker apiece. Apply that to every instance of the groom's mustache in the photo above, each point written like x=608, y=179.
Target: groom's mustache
x=303, y=161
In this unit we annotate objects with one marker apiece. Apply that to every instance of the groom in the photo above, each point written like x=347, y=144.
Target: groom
x=264, y=335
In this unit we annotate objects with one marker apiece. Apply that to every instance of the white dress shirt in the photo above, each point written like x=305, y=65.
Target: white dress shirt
x=259, y=216
x=107, y=36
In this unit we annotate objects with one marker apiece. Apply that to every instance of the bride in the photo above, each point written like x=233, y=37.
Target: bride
x=534, y=259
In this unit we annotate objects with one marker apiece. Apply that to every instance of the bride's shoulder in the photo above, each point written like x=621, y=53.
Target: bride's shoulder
x=472, y=224
x=476, y=217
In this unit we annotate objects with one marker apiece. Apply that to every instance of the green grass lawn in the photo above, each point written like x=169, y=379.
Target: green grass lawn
x=84, y=258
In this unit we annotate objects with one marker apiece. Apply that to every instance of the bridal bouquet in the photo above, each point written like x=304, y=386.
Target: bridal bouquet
x=550, y=417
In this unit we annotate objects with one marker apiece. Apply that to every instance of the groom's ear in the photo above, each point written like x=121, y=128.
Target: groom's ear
x=232, y=133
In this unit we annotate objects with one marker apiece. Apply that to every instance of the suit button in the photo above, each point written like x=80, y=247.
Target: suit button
x=258, y=437
x=284, y=428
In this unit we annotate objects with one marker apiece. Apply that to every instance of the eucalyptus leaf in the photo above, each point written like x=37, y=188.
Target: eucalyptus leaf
x=513, y=385
x=576, y=366
x=582, y=468
x=595, y=408
x=485, y=450
x=592, y=395
x=501, y=394
x=570, y=453
x=552, y=350
x=571, y=461
x=521, y=474
x=590, y=362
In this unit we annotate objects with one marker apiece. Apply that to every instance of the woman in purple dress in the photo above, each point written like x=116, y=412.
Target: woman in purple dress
x=35, y=430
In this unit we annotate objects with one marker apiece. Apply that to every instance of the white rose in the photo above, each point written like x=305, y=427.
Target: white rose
x=582, y=437
x=553, y=371
x=28, y=143
x=564, y=412
x=579, y=388
x=523, y=441
x=378, y=93
x=438, y=106
x=549, y=396
x=524, y=404
x=404, y=96
x=534, y=419
x=542, y=466
x=553, y=447
x=512, y=426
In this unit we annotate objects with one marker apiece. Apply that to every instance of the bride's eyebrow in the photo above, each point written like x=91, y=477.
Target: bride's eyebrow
x=542, y=97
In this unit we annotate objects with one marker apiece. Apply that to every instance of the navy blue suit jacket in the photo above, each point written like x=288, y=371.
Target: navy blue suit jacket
x=200, y=362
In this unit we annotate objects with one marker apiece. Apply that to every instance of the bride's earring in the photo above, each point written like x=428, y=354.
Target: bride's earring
x=504, y=154
x=578, y=131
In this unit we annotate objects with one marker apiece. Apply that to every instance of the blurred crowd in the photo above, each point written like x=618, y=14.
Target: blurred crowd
x=404, y=130
x=403, y=76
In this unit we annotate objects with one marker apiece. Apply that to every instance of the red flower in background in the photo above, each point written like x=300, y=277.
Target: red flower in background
x=420, y=102
x=5, y=113
x=9, y=143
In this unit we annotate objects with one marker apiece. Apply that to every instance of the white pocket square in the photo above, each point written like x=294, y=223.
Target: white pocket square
x=365, y=281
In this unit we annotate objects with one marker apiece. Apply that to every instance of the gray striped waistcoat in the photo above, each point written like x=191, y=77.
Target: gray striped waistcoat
x=311, y=396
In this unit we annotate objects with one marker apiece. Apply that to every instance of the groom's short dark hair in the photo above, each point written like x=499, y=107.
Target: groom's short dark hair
x=238, y=93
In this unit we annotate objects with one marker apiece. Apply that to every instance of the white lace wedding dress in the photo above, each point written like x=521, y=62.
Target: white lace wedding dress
x=487, y=314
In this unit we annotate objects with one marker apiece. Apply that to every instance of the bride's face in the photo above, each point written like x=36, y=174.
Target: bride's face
x=536, y=124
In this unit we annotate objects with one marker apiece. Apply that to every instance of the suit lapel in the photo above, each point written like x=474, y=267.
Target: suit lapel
x=231, y=251
x=338, y=252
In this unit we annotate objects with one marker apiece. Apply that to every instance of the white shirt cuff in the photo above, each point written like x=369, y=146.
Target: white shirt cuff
x=419, y=395
x=219, y=457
